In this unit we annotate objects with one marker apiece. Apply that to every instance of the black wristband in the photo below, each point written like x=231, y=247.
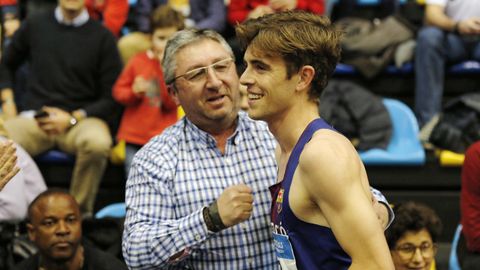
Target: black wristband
x=215, y=215
x=455, y=28
x=208, y=220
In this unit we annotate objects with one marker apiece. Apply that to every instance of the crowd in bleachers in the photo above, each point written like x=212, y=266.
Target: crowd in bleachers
x=85, y=77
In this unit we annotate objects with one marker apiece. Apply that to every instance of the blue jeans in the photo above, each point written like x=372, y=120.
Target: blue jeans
x=435, y=48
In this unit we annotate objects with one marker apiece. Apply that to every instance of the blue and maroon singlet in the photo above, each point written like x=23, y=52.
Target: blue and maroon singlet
x=302, y=245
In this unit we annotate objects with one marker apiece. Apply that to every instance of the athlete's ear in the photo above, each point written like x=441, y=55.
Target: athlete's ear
x=306, y=75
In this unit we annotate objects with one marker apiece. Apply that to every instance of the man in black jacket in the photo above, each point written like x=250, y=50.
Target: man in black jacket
x=73, y=63
x=56, y=229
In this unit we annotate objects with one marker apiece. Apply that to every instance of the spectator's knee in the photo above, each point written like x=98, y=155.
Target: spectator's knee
x=430, y=37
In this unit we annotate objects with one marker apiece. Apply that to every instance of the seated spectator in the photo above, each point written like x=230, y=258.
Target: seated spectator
x=207, y=14
x=470, y=209
x=412, y=236
x=149, y=109
x=9, y=21
x=73, y=63
x=112, y=13
x=23, y=187
x=54, y=226
x=451, y=34
x=240, y=10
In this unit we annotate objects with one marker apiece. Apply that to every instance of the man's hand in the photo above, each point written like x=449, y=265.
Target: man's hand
x=57, y=122
x=235, y=204
x=8, y=161
x=283, y=5
x=469, y=26
x=381, y=211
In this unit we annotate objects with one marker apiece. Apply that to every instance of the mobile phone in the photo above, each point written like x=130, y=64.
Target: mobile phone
x=40, y=113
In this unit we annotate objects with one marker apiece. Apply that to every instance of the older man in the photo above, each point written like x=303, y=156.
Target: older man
x=197, y=195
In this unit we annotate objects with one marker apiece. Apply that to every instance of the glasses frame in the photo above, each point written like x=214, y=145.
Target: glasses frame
x=204, y=69
x=409, y=257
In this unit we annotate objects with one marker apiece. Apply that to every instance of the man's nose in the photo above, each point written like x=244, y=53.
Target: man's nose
x=212, y=78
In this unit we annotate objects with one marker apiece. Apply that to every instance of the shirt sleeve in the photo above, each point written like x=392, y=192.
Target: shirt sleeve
x=109, y=67
x=122, y=89
x=14, y=55
x=153, y=233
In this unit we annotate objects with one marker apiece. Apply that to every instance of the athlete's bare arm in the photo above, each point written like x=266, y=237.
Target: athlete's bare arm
x=331, y=179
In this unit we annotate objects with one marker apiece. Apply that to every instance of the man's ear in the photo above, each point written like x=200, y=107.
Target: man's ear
x=306, y=74
x=31, y=232
x=172, y=90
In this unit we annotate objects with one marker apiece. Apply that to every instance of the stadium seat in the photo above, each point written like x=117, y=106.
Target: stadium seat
x=404, y=147
x=453, y=263
x=116, y=210
x=55, y=156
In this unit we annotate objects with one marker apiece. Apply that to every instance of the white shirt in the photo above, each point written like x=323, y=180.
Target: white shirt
x=458, y=9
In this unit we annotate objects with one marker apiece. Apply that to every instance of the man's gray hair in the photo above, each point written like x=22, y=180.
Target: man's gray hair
x=182, y=39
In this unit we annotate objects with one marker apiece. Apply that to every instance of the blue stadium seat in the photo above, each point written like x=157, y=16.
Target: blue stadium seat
x=466, y=67
x=344, y=69
x=116, y=210
x=55, y=156
x=404, y=147
x=453, y=263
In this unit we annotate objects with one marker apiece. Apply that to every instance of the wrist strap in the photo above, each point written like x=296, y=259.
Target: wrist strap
x=455, y=28
x=212, y=218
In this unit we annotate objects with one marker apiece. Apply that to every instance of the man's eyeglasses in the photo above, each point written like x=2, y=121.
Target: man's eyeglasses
x=407, y=251
x=200, y=74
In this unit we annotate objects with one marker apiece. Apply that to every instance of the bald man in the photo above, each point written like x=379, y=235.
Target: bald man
x=55, y=227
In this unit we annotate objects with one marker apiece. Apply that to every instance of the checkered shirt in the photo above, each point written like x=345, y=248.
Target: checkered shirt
x=180, y=172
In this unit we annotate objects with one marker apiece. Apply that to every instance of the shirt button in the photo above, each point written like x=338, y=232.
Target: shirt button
x=227, y=160
x=198, y=237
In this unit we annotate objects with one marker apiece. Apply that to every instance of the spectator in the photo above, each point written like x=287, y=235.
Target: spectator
x=190, y=190
x=142, y=90
x=451, y=35
x=209, y=14
x=112, y=13
x=54, y=226
x=470, y=208
x=240, y=10
x=412, y=236
x=73, y=66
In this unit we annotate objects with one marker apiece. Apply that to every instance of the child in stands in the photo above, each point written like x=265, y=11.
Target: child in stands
x=141, y=88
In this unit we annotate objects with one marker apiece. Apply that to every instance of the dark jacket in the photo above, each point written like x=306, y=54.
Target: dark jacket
x=95, y=259
x=357, y=114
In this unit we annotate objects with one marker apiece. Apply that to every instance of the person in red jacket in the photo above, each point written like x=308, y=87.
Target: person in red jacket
x=113, y=13
x=240, y=10
x=470, y=207
x=149, y=109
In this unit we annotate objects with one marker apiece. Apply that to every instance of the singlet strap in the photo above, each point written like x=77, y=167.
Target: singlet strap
x=304, y=138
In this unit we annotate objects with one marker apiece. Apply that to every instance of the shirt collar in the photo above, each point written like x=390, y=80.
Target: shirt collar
x=80, y=20
x=205, y=138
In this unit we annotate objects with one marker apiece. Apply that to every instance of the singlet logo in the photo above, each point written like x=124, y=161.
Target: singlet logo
x=279, y=201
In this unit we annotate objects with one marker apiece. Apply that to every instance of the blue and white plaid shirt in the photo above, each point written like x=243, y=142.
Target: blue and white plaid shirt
x=180, y=172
